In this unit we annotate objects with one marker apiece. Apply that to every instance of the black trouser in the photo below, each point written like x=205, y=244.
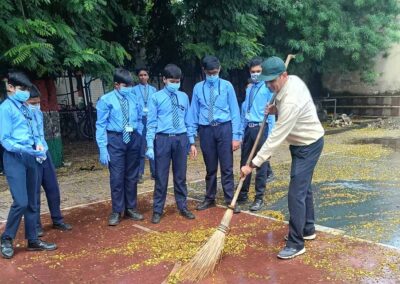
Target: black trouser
x=300, y=197
x=249, y=139
x=1, y=158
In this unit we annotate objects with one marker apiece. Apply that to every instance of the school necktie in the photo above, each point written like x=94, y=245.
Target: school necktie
x=211, y=106
x=175, y=115
x=126, y=137
x=145, y=94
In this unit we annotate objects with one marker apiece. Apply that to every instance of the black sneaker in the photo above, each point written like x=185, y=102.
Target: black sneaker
x=62, y=226
x=7, y=249
x=114, y=219
x=156, y=218
x=40, y=245
x=187, y=214
x=288, y=253
x=257, y=205
x=133, y=214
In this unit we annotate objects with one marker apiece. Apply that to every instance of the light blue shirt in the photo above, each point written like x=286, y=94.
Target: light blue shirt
x=159, y=118
x=110, y=117
x=38, y=121
x=254, y=111
x=226, y=107
x=16, y=131
x=140, y=91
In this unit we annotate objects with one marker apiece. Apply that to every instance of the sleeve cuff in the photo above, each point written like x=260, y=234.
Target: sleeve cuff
x=257, y=161
x=237, y=137
x=191, y=140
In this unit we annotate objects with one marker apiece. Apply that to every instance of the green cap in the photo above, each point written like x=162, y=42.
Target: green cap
x=272, y=68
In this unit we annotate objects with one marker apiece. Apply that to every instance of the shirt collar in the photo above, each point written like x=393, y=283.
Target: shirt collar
x=16, y=102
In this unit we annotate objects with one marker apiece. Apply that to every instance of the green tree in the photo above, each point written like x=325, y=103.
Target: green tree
x=49, y=37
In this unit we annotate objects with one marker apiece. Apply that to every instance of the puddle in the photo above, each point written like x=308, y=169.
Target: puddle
x=391, y=142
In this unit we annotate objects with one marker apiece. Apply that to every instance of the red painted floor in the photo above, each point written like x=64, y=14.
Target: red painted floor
x=127, y=253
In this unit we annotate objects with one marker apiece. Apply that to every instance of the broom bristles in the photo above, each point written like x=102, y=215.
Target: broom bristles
x=208, y=256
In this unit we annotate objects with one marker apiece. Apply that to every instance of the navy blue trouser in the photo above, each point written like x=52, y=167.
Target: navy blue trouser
x=300, y=197
x=143, y=152
x=124, y=170
x=167, y=149
x=22, y=177
x=47, y=178
x=249, y=139
x=216, y=145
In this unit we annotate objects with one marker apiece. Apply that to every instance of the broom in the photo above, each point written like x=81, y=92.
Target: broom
x=205, y=260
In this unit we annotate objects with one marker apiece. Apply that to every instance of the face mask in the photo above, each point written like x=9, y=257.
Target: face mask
x=21, y=96
x=173, y=87
x=254, y=76
x=34, y=107
x=125, y=91
x=212, y=78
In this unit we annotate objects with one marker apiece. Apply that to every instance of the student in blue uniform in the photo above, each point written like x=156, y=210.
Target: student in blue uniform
x=167, y=128
x=46, y=171
x=257, y=97
x=214, y=112
x=118, y=135
x=22, y=146
x=143, y=91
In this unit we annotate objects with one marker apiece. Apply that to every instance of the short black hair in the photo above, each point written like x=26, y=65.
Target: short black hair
x=255, y=61
x=142, y=68
x=17, y=78
x=34, y=92
x=122, y=75
x=210, y=62
x=172, y=71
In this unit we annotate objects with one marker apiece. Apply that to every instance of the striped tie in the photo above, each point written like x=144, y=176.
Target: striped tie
x=211, y=106
x=251, y=99
x=126, y=137
x=175, y=115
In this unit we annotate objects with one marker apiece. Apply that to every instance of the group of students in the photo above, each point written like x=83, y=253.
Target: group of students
x=138, y=122
x=27, y=166
x=133, y=122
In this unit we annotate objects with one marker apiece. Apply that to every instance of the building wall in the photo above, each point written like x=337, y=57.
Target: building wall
x=387, y=83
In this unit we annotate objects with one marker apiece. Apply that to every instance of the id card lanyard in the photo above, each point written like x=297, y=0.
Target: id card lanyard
x=28, y=118
x=145, y=96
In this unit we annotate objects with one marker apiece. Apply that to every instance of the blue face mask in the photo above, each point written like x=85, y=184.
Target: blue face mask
x=212, y=78
x=34, y=107
x=173, y=87
x=254, y=77
x=21, y=96
x=125, y=91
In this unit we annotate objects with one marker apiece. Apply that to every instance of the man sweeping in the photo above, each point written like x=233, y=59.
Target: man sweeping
x=299, y=125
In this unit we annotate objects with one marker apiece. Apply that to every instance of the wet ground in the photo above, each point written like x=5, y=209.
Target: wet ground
x=356, y=189
x=141, y=252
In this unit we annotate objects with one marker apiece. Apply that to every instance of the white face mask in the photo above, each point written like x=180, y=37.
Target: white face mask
x=254, y=76
x=34, y=107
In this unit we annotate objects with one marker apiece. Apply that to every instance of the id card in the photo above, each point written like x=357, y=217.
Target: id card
x=128, y=128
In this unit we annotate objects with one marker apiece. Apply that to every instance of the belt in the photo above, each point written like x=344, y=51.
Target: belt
x=214, y=123
x=119, y=133
x=254, y=124
x=171, y=134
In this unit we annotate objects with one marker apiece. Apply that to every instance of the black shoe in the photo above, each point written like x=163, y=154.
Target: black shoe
x=205, y=204
x=270, y=178
x=257, y=205
x=133, y=214
x=141, y=180
x=288, y=252
x=62, y=226
x=187, y=214
x=236, y=209
x=156, y=218
x=40, y=232
x=7, y=250
x=114, y=219
x=242, y=200
x=41, y=245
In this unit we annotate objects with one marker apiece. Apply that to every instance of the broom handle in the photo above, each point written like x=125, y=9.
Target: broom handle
x=259, y=134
